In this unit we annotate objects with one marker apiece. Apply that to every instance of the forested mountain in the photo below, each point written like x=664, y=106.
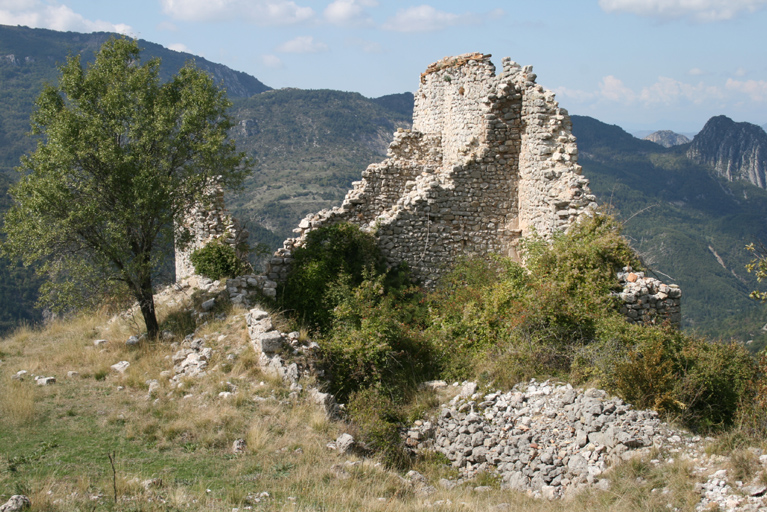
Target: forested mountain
x=689, y=223
x=30, y=58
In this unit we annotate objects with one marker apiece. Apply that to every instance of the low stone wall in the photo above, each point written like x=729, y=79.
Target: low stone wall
x=648, y=301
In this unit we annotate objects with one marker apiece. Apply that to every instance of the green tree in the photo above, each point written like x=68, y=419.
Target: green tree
x=121, y=158
x=758, y=265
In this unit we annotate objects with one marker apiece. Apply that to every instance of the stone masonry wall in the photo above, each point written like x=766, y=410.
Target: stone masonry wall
x=648, y=301
x=207, y=222
x=490, y=159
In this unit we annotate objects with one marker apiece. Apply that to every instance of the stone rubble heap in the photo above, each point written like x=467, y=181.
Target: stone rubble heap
x=646, y=300
x=191, y=360
x=547, y=438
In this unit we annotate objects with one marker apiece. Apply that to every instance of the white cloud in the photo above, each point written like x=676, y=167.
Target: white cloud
x=271, y=61
x=258, y=12
x=302, y=44
x=614, y=89
x=179, y=47
x=696, y=10
x=756, y=90
x=667, y=91
x=741, y=72
x=426, y=18
x=575, y=94
x=696, y=72
x=36, y=14
x=349, y=12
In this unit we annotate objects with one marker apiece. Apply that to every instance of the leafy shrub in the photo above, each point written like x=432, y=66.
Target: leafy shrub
x=217, y=260
x=330, y=253
x=510, y=322
x=375, y=339
x=703, y=382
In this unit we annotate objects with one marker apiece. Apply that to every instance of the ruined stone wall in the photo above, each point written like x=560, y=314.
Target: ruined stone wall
x=648, y=301
x=490, y=158
x=206, y=222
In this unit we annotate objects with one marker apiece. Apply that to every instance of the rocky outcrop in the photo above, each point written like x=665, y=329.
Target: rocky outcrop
x=490, y=159
x=667, y=138
x=736, y=151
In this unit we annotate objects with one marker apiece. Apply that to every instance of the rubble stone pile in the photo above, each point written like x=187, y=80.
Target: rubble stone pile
x=542, y=437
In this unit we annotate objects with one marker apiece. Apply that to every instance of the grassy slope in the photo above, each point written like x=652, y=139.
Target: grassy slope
x=54, y=440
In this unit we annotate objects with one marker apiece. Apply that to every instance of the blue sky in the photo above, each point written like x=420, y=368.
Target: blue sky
x=640, y=64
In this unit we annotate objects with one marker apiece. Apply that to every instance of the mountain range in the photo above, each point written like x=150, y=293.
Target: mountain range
x=689, y=209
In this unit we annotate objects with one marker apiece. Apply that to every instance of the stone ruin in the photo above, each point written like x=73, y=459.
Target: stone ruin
x=207, y=222
x=490, y=159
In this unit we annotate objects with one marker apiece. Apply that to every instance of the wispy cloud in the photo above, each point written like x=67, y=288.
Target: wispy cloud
x=51, y=15
x=365, y=45
x=756, y=90
x=271, y=61
x=665, y=92
x=258, y=12
x=425, y=18
x=302, y=44
x=349, y=12
x=702, y=11
x=613, y=89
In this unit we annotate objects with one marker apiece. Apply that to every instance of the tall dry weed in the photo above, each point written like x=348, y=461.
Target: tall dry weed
x=17, y=401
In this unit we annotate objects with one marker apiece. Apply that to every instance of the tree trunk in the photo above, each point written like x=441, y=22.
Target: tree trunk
x=146, y=303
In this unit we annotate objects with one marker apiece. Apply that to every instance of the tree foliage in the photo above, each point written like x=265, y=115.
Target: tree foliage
x=121, y=158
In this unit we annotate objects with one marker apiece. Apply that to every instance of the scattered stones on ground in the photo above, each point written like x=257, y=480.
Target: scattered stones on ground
x=121, y=366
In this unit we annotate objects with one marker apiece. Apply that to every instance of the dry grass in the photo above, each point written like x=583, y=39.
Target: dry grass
x=186, y=442
x=17, y=401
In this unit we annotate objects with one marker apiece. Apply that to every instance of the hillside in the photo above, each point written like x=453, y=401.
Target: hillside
x=689, y=225
x=29, y=59
x=310, y=146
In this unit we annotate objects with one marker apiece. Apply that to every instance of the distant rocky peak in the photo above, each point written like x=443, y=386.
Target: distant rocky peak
x=667, y=138
x=734, y=150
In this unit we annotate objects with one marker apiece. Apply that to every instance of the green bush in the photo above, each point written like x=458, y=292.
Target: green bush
x=217, y=260
x=497, y=319
x=330, y=253
x=375, y=340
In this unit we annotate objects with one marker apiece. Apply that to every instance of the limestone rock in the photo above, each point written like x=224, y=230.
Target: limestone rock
x=345, y=443
x=121, y=366
x=17, y=503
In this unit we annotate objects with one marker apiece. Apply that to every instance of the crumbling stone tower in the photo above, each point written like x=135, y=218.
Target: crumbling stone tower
x=490, y=158
x=206, y=222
